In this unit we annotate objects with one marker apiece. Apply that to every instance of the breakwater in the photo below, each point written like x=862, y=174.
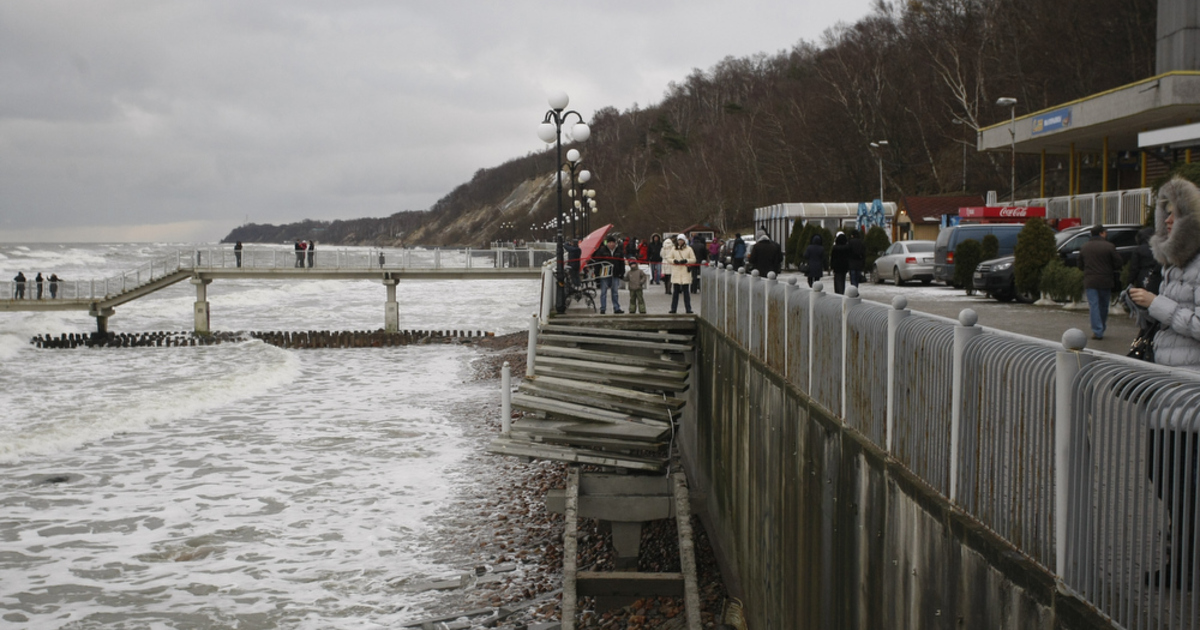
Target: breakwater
x=282, y=339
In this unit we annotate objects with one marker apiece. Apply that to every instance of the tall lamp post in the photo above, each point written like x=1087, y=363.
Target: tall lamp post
x=551, y=131
x=878, y=146
x=578, y=177
x=1011, y=103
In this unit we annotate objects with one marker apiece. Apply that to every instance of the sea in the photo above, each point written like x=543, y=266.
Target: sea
x=237, y=485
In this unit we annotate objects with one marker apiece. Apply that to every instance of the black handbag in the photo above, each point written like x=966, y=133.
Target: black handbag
x=1143, y=345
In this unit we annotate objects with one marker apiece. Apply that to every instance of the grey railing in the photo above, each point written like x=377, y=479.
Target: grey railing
x=1049, y=445
x=1118, y=206
x=389, y=259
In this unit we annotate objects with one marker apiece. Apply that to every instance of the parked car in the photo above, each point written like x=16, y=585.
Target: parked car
x=905, y=261
x=949, y=238
x=996, y=276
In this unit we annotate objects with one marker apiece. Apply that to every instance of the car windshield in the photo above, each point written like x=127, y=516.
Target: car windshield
x=920, y=246
x=1063, y=237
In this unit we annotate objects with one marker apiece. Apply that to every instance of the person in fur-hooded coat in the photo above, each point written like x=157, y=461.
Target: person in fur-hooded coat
x=1176, y=243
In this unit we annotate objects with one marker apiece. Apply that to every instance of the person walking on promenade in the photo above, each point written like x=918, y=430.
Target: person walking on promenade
x=618, y=263
x=1100, y=262
x=237, y=253
x=858, y=256
x=299, y=254
x=668, y=250
x=766, y=256
x=681, y=260
x=310, y=251
x=54, y=286
x=714, y=250
x=700, y=251
x=643, y=253
x=815, y=257
x=38, y=281
x=739, y=251
x=654, y=256
x=839, y=259
x=1176, y=307
x=607, y=282
x=636, y=278
x=19, y=286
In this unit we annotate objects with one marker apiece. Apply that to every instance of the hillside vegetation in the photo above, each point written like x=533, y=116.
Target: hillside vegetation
x=796, y=125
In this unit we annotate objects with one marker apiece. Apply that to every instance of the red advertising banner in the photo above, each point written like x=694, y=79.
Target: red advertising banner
x=1001, y=212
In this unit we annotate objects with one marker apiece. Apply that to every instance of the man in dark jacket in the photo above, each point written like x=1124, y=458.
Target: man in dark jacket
x=766, y=256
x=858, y=256
x=1100, y=262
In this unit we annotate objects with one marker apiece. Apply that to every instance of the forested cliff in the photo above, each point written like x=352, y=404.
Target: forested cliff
x=797, y=125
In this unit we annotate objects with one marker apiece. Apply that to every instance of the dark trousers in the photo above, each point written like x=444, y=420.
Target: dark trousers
x=1173, y=469
x=687, y=297
x=855, y=276
x=839, y=282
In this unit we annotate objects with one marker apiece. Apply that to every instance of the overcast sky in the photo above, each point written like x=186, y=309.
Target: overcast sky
x=178, y=120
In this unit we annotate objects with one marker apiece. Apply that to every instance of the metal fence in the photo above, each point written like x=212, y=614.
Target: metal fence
x=1118, y=206
x=387, y=259
x=1087, y=463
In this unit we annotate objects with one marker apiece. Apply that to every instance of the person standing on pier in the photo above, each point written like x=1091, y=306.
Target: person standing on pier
x=19, y=286
x=237, y=253
x=53, y=286
x=608, y=282
x=637, y=284
x=299, y=254
x=682, y=259
x=654, y=255
x=310, y=251
x=38, y=280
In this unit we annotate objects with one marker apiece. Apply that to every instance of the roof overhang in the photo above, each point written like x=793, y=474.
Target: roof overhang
x=1120, y=114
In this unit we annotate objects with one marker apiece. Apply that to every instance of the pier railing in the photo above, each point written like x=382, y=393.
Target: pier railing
x=383, y=259
x=1087, y=463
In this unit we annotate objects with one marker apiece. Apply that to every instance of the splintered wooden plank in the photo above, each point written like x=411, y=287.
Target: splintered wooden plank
x=615, y=332
x=629, y=370
x=671, y=323
x=577, y=397
x=597, y=356
x=638, y=382
x=502, y=446
x=657, y=346
x=608, y=390
x=620, y=430
x=570, y=410
x=628, y=584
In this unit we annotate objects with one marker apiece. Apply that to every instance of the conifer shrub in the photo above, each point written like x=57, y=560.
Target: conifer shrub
x=1035, y=249
x=967, y=257
x=876, y=242
x=991, y=246
x=1062, y=283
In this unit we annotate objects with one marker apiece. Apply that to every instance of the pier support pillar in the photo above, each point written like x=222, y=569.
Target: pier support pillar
x=101, y=315
x=201, y=307
x=391, y=310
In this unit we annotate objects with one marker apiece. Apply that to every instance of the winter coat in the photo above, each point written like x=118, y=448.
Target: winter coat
x=858, y=253
x=677, y=264
x=1100, y=262
x=739, y=248
x=1177, y=305
x=815, y=255
x=839, y=258
x=1144, y=271
x=636, y=279
x=766, y=256
x=655, y=249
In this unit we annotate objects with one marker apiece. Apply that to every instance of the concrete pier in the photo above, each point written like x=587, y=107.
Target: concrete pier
x=201, y=309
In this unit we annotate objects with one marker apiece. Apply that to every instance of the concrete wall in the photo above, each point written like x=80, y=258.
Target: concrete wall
x=1178, y=36
x=817, y=528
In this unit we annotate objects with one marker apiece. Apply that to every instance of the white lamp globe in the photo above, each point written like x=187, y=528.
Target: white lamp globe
x=580, y=132
x=547, y=132
x=590, y=192
x=573, y=155
x=584, y=176
x=558, y=100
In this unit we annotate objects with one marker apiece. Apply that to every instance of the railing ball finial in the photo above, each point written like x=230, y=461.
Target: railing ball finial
x=968, y=317
x=792, y=280
x=754, y=274
x=851, y=292
x=771, y=275
x=818, y=286
x=741, y=270
x=1074, y=339
x=899, y=302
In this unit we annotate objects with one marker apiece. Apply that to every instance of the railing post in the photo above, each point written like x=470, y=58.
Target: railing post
x=895, y=316
x=848, y=303
x=791, y=288
x=437, y=258
x=817, y=288
x=749, y=324
x=768, y=286
x=1069, y=362
x=963, y=333
x=506, y=399
x=531, y=354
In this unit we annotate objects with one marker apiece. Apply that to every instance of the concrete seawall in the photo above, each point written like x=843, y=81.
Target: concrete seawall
x=818, y=528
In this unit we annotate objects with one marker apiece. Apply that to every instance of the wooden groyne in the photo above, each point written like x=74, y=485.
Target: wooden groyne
x=284, y=339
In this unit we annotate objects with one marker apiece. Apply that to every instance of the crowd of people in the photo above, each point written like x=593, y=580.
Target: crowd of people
x=305, y=250
x=20, y=282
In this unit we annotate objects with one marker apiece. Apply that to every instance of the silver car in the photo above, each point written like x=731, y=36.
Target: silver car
x=904, y=261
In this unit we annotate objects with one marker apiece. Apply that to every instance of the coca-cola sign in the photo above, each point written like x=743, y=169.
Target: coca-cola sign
x=1001, y=212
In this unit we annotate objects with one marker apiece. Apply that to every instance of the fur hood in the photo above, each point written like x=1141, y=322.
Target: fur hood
x=1183, y=243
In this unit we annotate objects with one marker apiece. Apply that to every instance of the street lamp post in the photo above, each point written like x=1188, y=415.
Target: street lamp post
x=551, y=131
x=878, y=146
x=1011, y=103
x=959, y=121
x=578, y=177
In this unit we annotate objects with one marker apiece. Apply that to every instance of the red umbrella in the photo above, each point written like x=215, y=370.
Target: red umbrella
x=588, y=245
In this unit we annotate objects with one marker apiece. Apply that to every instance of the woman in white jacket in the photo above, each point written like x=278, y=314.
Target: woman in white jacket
x=681, y=260
x=1176, y=243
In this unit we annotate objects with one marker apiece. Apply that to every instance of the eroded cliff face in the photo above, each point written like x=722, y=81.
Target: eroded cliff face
x=482, y=223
